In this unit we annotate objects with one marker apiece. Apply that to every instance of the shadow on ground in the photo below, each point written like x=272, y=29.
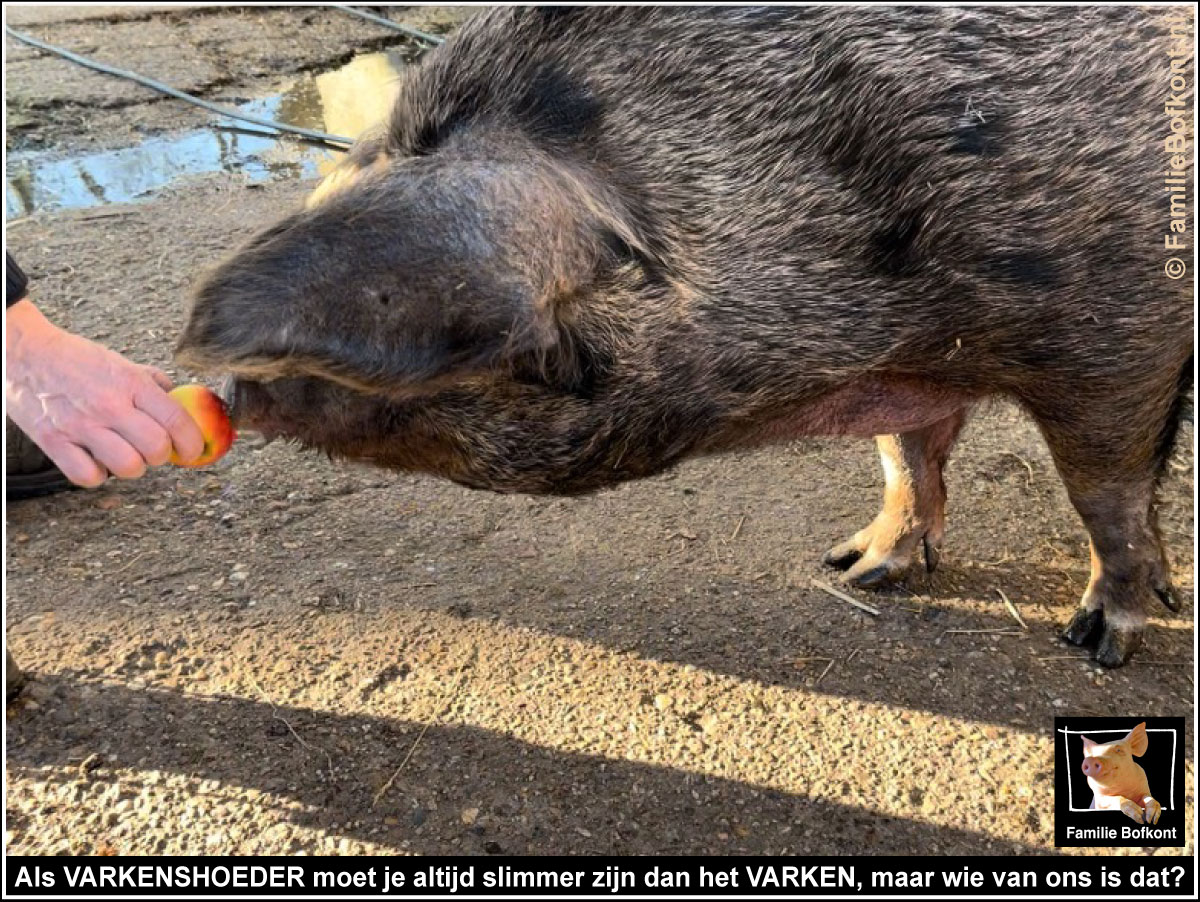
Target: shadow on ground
x=611, y=807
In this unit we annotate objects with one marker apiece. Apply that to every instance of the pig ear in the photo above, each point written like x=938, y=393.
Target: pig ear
x=1088, y=745
x=367, y=158
x=1138, y=740
x=412, y=280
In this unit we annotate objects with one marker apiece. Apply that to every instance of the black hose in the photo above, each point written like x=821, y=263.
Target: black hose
x=388, y=23
x=336, y=141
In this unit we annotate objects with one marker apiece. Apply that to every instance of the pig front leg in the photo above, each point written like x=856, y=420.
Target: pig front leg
x=1129, y=807
x=913, y=514
x=1152, y=809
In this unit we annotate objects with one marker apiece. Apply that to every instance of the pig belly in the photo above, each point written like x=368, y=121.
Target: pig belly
x=863, y=408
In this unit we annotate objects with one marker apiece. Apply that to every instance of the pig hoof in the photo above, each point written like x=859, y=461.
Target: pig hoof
x=871, y=564
x=1084, y=627
x=1117, y=646
x=1153, y=811
x=867, y=574
x=1132, y=810
x=1168, y=596
x=1114, y=644
x=933, y=554
x=842, y=557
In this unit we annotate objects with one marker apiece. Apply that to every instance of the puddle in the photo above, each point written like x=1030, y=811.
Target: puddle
x=344, y=101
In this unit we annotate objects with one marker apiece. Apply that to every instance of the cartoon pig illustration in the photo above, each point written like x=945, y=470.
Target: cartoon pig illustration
x=1116, y=780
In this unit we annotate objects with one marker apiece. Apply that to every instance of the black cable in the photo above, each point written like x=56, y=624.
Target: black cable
x=311, y=134
x=388, y=23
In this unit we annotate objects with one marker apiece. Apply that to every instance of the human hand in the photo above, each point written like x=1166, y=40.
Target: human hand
x=91, y=410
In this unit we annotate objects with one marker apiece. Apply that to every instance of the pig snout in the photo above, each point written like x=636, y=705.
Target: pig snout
x=233, y=392
x=1094, y=768
x=233, y=395
x=309, y=411
x=228, y=393
x=249, y=406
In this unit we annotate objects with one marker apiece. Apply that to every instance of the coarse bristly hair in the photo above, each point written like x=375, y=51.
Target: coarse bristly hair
x=591, y=242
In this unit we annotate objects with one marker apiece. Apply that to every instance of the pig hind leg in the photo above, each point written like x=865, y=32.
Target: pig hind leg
x=913, y=515
x=1110, y=463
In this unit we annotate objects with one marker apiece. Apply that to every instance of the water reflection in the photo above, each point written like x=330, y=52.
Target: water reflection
x=345, y=101
x=360, y=94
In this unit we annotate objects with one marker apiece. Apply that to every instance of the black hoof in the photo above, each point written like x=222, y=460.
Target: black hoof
x=932, y=555
x=875, y=578
x=1168, y=596
x=841, y=559
x=1117, y=646
x=1084, y=627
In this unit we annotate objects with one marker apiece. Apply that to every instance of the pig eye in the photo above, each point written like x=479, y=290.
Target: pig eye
x=621, y=253
x=385, y=298
x=618, y=247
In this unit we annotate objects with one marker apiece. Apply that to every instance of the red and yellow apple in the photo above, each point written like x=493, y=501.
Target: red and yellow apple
x=208, y=410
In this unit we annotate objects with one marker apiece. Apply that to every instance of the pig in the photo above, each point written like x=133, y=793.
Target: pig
x=591, y=243
x=1118, y=782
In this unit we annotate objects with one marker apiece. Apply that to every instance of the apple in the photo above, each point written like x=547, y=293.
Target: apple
x=208, y=410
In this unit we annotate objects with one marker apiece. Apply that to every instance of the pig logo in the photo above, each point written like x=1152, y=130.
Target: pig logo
x=1118, y=782
x=1115, y=781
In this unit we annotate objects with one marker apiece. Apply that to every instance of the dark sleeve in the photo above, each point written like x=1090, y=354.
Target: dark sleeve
x=15, y=282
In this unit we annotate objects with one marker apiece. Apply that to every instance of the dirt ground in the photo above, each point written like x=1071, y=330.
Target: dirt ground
x=280, y=654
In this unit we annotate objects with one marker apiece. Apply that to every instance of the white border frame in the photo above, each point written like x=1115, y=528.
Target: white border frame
x=1174, y=748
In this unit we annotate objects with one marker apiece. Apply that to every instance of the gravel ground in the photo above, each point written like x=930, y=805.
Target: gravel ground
x=280, y=654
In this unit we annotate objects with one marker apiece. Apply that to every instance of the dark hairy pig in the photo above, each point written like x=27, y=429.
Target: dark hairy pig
x=591, y=243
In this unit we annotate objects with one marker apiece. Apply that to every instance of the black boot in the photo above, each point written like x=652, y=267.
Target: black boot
x=28, y=471
x=14, y=679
